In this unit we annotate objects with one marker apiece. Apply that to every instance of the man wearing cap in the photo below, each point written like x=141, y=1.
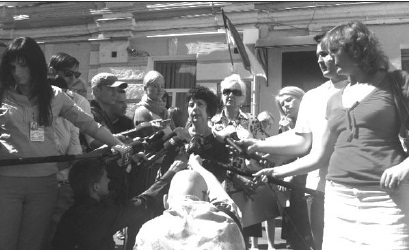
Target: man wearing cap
x=117, y=114
x=104, y=88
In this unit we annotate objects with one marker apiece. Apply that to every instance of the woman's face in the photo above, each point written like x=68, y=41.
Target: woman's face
x=197, y=110
x=20, y=72
x=232, y=95
x=155, y=90
x=344, y=63
x=69, y=75
x=290, y=105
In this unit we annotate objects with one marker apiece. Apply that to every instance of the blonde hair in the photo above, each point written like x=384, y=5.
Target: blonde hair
x=289, y=90
x=151, y=77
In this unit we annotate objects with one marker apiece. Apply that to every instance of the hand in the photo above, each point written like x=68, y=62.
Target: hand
x=250, y=145
x=126, y=153
x=124, y=139
x=183, y=133
x=178, y=165
x=159, y=123
x=277, y=172
x=263, y=174
x=392, y=177
x=195, y=159
x=286, y=122
x=182, y=156
x=139, y=157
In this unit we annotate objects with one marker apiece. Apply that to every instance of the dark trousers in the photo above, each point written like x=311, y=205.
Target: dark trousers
x=296, y=227
x=315, y=206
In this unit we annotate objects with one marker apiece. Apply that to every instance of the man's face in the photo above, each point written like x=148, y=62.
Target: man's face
x=70, y=75
x=103, y=184
x=326, y=63
x=120, y=105
x=105, y=94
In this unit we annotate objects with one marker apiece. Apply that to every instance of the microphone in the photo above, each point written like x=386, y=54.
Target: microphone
x=195, y=145
x=227, y=135
x=170, y=144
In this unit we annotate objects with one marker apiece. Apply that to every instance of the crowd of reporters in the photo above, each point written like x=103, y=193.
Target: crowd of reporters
x=225, y=161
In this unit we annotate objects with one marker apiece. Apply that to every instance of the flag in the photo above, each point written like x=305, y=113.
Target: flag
x=250, y=61
x=207, y=48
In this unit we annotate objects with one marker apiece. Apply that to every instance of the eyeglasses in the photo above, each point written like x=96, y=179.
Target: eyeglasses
x=235, y=92
x=69, y=73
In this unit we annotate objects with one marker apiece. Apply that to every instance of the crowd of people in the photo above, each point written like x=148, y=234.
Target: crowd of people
x=208, y=181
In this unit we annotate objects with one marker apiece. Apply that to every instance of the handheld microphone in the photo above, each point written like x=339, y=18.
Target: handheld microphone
x=195, y=144
x=226, y=135
x=170, y=144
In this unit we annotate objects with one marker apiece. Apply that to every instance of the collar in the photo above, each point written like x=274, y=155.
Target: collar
x=221, y=118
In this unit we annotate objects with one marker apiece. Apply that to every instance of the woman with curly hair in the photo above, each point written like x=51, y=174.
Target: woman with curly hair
x=202, y=106
x=367, y=189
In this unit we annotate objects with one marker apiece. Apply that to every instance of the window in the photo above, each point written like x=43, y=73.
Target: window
x=405, y=59
x=180, y=76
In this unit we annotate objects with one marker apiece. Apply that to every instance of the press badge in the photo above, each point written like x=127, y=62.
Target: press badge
x=36, y=132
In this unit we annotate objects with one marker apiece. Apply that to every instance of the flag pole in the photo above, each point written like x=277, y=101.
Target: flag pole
x=227, y=40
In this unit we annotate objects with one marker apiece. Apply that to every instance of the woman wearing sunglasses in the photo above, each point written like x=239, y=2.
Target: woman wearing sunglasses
x=247, y=126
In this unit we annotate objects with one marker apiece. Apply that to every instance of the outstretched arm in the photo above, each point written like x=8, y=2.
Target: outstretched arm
x=288, y=143
x=216, y=190
x=319, y=156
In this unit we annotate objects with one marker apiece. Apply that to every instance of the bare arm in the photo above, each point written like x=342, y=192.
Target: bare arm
x=288, y=143
x=216, y=190
x=319, y=156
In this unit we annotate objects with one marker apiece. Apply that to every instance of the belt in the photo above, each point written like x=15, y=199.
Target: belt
x=64, y=182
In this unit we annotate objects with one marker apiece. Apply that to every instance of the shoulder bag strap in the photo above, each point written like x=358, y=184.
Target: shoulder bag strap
x=400, y=103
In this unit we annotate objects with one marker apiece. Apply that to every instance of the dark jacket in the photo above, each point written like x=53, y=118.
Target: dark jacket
x=90, y=224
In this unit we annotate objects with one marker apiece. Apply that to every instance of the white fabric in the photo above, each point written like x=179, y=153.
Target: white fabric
x=366, y=218
x=311, y=118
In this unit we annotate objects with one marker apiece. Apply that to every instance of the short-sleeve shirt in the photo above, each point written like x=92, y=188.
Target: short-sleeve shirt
x=311, y=118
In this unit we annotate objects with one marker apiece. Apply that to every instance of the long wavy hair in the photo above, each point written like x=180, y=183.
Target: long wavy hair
x=360, y=43
x=27, y=50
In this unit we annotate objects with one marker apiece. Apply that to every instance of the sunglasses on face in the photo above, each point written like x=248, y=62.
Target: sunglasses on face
x=69, y=73
x=235, y=92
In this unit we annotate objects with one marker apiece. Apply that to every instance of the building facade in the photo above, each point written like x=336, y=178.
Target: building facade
x=186, y=42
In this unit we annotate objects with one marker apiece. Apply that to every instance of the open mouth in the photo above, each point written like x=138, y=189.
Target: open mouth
x=323, y=68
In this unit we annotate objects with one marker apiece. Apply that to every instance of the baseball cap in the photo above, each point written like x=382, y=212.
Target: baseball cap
x=107, y=79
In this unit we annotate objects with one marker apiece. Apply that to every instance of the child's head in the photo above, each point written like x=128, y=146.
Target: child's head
x=89, y=177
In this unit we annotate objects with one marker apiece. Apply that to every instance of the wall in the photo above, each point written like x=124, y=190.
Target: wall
x=392, y=38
